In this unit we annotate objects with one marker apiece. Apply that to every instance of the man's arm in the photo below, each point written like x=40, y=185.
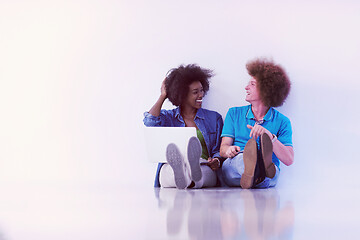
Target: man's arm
x=227, y=150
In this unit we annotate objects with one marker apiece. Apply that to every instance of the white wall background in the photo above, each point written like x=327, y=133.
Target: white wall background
x=76, y=77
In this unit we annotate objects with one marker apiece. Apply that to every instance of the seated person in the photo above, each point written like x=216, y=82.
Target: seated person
x=186, y=87
x=255, y=138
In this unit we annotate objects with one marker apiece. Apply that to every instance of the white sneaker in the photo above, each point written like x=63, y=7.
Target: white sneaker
x=176, y=161
x=194, y=151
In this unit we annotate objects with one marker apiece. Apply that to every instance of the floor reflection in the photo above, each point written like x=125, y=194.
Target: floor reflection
x=226, y=214
x=1, y=235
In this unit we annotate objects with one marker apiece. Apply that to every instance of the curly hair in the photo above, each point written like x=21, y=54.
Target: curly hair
x=272, y=81
x=179, y=79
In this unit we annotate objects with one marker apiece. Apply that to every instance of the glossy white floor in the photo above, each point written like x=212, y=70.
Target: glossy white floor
x=316, y=206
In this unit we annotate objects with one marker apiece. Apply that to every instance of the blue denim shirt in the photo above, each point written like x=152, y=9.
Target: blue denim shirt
x=210, y=123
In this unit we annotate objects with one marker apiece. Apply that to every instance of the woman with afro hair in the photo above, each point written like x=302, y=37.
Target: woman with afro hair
x=256, y=138
x=186, y=87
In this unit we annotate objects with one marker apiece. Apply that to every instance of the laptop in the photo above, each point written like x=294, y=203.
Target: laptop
x=158, y=138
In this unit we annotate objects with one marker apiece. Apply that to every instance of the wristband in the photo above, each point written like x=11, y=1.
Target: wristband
x=274, y=138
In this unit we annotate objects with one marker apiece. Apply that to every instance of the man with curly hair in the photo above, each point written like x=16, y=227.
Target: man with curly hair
x=185, y=87
x=255, y=138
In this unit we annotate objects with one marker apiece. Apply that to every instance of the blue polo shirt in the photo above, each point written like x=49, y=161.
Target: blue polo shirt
x=237, y=119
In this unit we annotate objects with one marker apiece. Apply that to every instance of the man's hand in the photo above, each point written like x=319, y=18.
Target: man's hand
x=232, y=151
x=257, y=130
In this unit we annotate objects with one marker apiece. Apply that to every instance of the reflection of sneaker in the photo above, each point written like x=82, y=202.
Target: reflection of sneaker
x=250, y=159
x=194, y=153
x=176, y=213
x=176, y=161
x=267, y=151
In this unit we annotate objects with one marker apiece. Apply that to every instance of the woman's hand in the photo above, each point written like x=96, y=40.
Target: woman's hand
x=156, y=109
x=213, y=163
x=257, y=130
x=163, y=89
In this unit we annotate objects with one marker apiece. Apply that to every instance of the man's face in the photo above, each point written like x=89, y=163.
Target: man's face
x=252, y=92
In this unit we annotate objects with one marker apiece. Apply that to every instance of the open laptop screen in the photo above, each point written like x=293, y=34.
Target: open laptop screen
x=157, y=139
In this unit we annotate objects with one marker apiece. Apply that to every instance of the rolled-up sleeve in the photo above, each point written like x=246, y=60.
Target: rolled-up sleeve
x=219, y=127
x=150, y=120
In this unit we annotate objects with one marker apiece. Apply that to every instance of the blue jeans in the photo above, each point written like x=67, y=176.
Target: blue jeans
x=233, y=168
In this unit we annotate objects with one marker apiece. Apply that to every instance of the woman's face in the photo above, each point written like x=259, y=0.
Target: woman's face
x=252, y=92
x=195, y=95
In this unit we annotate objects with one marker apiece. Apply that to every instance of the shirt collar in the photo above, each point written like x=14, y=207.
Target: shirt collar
x=199, y=114
x=268, y=115
x=178, y=115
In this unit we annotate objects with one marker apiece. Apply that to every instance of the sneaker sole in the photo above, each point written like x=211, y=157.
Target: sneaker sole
x=250, y=158
x=267, y=151
x=194, y=153
x=175, y=160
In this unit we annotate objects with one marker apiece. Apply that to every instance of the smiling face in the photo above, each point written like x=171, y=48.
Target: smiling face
x=195, y=95
x=252, y=92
